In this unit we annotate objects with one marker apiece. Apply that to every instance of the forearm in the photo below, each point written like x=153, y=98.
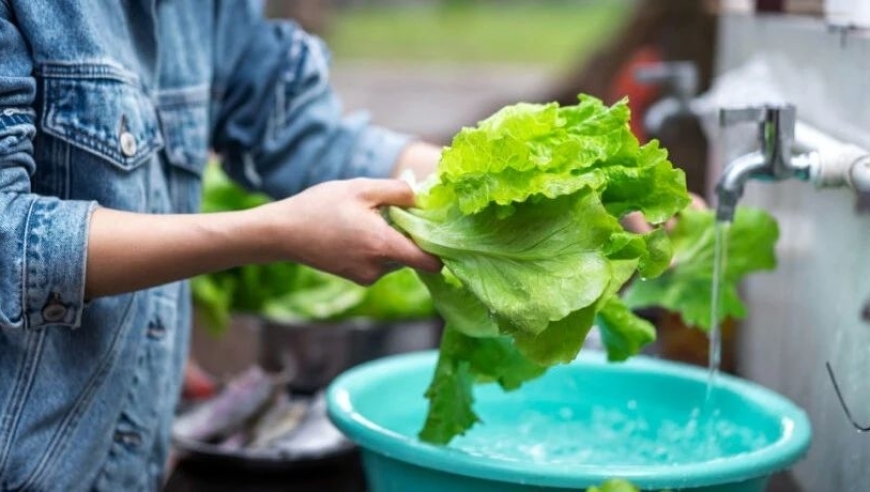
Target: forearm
x=129, y=251
x=418, y=157
x=336, y=227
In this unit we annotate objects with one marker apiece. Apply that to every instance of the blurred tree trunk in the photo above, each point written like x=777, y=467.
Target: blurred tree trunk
x=677, y=29
x=665, y=30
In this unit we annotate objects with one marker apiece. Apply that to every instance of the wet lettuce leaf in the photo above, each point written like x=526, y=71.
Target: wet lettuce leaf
x=463, y=361
x=524, y=210
x=521, y=267
x=686, y=288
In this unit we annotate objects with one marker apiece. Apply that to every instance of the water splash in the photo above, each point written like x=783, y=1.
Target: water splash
x=631, y=435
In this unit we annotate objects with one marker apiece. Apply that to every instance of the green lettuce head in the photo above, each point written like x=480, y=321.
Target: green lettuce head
x=524, y=210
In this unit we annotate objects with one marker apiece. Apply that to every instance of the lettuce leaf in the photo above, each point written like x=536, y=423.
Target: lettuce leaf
x=686, y=288
x=521, y=267
x=463, y=361
x=524, y=210
x=614, y=485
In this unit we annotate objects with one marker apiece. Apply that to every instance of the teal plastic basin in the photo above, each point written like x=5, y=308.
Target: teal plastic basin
x=578, y=425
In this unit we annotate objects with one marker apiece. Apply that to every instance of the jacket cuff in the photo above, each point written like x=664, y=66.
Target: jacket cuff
x=55, y=251
x=376, y=152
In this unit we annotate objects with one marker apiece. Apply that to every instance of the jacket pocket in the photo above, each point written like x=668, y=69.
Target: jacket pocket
x=184, y=118
x=100, y=108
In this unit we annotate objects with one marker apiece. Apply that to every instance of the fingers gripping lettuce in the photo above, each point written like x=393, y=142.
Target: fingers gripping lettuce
x=284, y=292
x=524, y=210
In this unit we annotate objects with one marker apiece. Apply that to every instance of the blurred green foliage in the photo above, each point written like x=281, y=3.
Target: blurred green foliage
x=542, y=32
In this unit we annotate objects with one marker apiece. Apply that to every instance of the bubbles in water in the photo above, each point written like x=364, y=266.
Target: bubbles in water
x=609, y=436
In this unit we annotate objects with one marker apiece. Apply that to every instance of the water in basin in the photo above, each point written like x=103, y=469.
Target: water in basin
x=603, y=436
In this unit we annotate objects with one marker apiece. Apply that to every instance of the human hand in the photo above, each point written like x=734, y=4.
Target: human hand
x=337, y=227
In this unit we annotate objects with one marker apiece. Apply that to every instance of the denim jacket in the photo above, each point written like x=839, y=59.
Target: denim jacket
x=119, y=104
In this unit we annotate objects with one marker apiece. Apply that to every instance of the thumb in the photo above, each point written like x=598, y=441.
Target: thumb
x=389, y=192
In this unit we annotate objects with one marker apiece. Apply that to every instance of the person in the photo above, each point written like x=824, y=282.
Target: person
x=108, y=113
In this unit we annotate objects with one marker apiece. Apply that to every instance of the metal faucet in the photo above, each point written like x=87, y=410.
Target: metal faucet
x=772, y=161
x=681, y=80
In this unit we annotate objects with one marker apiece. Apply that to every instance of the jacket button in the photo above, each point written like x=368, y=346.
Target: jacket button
x=156, y=329
x=132, y=439
x=53, y=312
x=128, y=144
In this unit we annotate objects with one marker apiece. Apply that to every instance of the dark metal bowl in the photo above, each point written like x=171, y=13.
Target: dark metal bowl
x=309, y=355
x=299, y=453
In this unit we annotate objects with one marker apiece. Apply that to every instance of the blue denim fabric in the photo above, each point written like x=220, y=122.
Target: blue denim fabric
x=118, y=104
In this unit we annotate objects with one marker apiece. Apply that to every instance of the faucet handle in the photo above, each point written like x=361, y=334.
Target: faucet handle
x=783, y=115
x=681, y=76
x=776, y=126
x=734, y=116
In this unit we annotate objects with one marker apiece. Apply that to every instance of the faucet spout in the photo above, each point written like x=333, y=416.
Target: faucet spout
x=729, y=189
x=773, y=161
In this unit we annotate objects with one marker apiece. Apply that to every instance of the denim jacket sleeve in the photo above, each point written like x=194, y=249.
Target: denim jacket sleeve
x=277, y=123
x=43, y=240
